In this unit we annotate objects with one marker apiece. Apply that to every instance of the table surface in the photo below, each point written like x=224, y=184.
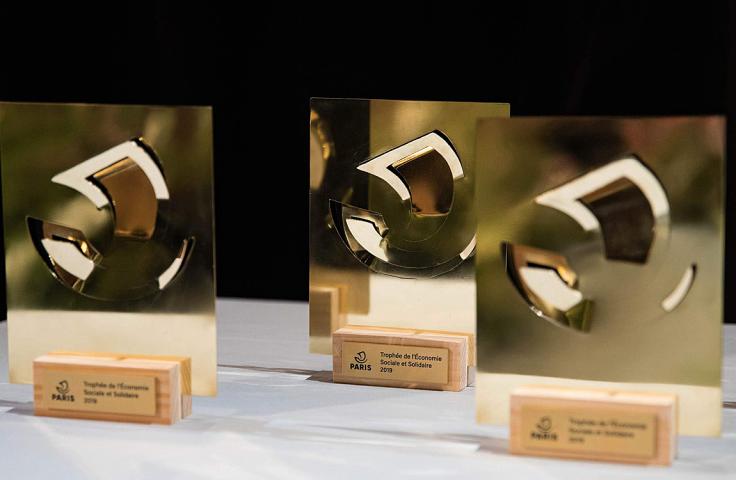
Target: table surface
x=278, y=415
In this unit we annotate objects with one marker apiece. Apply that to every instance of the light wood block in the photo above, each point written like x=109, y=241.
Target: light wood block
x=105, y=387
x=185, y=371
x=400, y=358
x=594, y=424
x=325, y=314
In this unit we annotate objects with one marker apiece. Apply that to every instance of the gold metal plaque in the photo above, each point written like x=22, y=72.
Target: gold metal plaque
x=92, y=392
x=392, y=227
x=109, y=233
x=600, y=259
x=395, y=362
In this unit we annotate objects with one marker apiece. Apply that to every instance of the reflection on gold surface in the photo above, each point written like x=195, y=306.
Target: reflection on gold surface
x=130, y=192
x=179, y=334
x=634, y=229
x=623, y=199
x=104, y=253
x=421, y=173
x=548, y=284
x=626, y=220
x=392, y=226
x=321, y=149
x=66, y=251
x=429, y=180
x=132, y=197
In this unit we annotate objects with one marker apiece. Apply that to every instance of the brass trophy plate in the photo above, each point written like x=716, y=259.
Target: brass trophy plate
x=392, y=226
x=109, y=233
x=600, y=259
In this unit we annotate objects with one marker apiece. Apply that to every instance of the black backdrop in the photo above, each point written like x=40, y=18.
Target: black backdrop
x=259, y=68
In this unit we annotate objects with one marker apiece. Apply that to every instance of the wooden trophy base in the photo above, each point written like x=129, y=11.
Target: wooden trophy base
x=594, y=424
x=105, y=386
x=400, y=358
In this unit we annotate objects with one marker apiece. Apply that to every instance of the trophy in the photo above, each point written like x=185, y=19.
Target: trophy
x=600, y=259
x=392, y=236
x=109, y=233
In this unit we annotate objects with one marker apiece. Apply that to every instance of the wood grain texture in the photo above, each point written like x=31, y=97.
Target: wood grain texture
x=602, y=402
x=166, y=373
x=456, y=345
x=325, y=315
x=185, y=370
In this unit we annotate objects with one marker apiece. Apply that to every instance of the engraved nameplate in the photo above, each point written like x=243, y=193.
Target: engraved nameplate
x=125, y=394
x=590, y=430
x=111, y=387
x=375, y=360
x=400, y=358
x=593, y=424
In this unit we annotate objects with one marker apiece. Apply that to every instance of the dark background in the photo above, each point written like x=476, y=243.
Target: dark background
x=258, y=68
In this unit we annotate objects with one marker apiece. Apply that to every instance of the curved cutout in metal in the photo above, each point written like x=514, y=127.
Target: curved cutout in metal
x=65, y=251
x=412, y=165
x=364, y=233
x=623, y=200
x=678, y=294
x=626, y=220
x=177, y=265
x=131, y=195
x=129, y=180
x=429, y=181
x=136, y=150
x=548, y=285
x=422, y=173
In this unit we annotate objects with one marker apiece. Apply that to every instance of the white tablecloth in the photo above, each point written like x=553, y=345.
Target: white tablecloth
x=278, y=415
